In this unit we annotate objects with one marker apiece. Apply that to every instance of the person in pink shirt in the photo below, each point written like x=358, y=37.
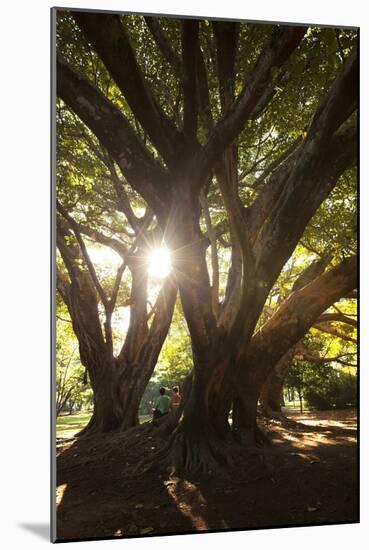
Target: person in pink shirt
x=175, y=399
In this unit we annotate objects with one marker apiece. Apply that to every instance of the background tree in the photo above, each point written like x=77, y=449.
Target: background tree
x=329, y=237
x=72, y=388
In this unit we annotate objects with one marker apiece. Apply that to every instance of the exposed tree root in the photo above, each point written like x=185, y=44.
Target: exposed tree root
x=206, y=456
x=261, y=437
x=183, y=454
x=252, y=438
x=90, y=429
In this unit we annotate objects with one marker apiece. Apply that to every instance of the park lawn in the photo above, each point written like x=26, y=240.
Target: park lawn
x=69, y=425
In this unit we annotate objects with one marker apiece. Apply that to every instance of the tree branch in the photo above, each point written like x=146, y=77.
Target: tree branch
x=340, y=317
x=205, y=113
x=307, y=355
x=325, y=327
x=275, y=163
x=298, y=313
x=312, y=271
x=114, y=132
x=103, y=239
x=123, y=200
x=73, y=224
x=226, y=36
x=62, y=285
x=140, y=234
x=275, y=53
x=338, y=104
x=152, y=345
x=165, y=46
x=314, y=174
x=190, y=48
x=79, y=297
x=110, y=41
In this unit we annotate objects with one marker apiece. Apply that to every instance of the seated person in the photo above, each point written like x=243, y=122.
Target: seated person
x=175, y=400
x=161, y=404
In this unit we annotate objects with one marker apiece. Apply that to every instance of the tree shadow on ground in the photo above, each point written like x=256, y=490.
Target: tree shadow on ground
x=99, y=495
x=307, y=477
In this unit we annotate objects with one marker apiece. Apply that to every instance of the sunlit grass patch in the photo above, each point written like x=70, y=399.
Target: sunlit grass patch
x=70, y=425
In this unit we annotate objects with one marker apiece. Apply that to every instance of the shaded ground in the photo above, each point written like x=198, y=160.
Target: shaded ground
x=309, y=476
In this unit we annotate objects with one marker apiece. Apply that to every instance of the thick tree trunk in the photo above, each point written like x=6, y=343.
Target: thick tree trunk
x=271, y=395
x=245, y=428
x=244, y=417
x=116, y=400
x=196, y=442
x=197, y=445
x=292, y=320
x=119, y=384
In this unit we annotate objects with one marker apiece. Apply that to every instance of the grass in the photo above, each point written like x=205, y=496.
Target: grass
x=70, y=424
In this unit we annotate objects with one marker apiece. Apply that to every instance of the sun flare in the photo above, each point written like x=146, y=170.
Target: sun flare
x=159, y=262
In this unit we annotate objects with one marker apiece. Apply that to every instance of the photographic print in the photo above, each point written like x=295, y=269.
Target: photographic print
x=205, y=179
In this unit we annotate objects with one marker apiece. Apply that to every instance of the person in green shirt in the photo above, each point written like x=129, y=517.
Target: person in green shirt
x=162, y=404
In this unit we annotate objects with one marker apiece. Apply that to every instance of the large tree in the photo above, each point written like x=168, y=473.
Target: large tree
x=225, y=110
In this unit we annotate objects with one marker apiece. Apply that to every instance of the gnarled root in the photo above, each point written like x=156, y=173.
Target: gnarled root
x=261, y=437
x=90, y=429
x=183, y=454
x=251, y=438
x=206, y=456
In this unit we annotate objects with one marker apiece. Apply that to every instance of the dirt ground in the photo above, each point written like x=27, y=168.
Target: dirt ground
x=307, y=477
